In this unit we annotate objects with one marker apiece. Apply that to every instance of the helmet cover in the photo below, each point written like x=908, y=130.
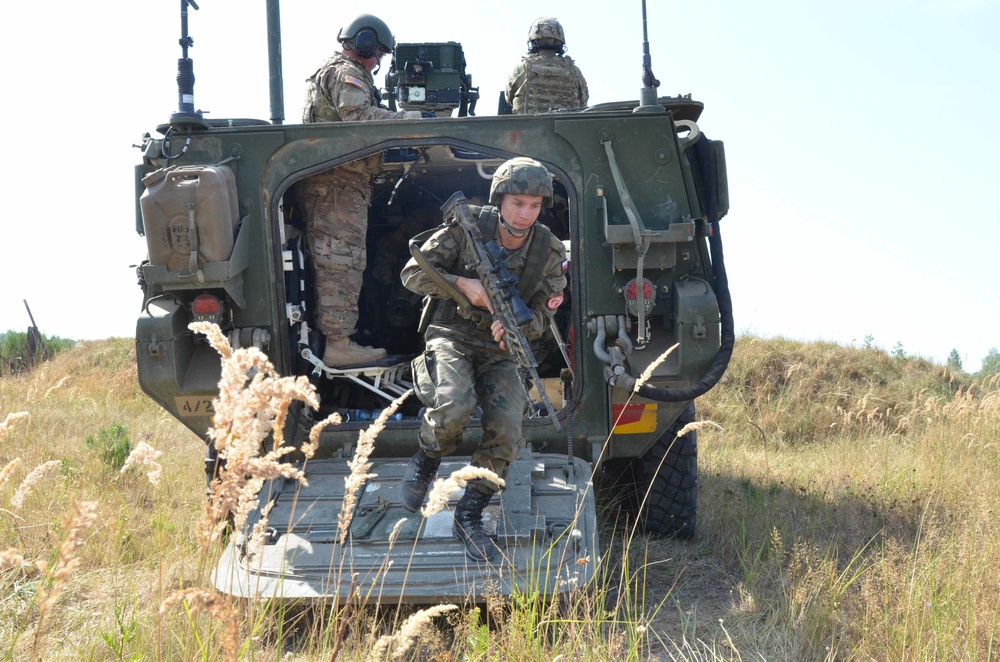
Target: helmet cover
x=546, y=31
x=521, y=176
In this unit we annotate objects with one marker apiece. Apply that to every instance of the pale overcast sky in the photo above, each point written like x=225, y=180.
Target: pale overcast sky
x=862, y=141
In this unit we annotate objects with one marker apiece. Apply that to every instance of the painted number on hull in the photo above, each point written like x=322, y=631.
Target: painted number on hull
x=194, y=405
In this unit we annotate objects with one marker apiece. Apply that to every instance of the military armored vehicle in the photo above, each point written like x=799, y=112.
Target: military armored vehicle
x=640, y=190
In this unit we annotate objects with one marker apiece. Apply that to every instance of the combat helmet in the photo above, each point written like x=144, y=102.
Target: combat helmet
x=521, y=176
x=546, y=34
x=366, y=34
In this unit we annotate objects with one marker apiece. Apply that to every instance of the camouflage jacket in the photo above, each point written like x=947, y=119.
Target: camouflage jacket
x=343, y=90
x=448, y=252
x=545, y=81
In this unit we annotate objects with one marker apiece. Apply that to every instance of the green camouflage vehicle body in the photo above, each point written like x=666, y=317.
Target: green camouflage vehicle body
x=639, y=192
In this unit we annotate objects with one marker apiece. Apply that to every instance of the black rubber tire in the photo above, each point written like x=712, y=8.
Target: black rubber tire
x=671, y=507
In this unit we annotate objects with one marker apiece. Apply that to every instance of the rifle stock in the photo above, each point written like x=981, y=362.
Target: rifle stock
x=501, y=288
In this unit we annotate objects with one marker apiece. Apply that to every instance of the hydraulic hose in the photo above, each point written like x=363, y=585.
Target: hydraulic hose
x=720, y=285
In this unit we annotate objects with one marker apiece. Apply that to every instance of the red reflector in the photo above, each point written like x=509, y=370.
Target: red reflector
x=205, y=304
x=632, y=291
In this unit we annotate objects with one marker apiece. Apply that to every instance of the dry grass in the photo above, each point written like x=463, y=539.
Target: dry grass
x=847, y=511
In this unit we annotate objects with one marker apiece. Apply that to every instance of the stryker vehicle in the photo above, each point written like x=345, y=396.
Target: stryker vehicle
x=639, y=194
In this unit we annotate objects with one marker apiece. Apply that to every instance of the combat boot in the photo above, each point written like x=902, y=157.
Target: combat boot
x=344, y=352
x=468, y=526
x=416, y=479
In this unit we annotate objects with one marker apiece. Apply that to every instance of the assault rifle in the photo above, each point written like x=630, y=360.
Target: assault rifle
x=501, y=287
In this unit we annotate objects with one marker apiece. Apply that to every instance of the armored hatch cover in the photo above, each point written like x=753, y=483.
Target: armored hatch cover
x=544, y=522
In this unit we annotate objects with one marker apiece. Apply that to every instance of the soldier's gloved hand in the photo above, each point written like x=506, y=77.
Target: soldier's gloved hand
x=428, y=113
x=412, y=114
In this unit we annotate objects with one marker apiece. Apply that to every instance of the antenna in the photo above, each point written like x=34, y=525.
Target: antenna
x=648, y=94
x=274, y=62
x=186, y=114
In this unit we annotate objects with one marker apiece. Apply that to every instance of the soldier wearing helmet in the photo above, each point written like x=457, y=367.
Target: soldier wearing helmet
x=335, y=203
x=546, y=79
x=465, y=362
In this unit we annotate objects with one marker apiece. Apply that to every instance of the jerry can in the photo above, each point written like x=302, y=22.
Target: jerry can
x=189, y=215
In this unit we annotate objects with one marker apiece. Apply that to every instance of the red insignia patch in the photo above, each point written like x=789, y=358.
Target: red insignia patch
x=555, y=302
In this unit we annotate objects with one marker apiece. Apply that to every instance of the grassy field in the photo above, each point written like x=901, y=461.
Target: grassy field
x=847, y=511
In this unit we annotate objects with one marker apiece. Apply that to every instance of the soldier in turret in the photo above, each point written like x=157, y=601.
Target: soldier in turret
x=335, y=203
x=546, y=79
x=465, y=361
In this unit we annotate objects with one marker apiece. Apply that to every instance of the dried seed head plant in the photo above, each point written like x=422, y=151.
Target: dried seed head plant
x=36, y=475
x=9, y=422
x=360, y=465
x=144, y=454
x=444, y=487
x=9, y=469
x=697, y=425
x=57, y=386
x=309, y=449
x=253, y=402
x=11, y=558
x=648, y=372
x=402, y=641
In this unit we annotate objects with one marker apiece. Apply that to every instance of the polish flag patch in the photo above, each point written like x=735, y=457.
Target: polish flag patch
x=555, y=302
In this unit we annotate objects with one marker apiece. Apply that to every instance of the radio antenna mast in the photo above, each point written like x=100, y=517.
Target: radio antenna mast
x=648, y=95
x=186, y=114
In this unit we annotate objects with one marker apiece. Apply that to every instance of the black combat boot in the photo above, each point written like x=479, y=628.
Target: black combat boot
x=418, y=476
x=468, y=525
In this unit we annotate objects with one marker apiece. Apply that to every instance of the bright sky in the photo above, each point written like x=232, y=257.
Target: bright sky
x=862, y=141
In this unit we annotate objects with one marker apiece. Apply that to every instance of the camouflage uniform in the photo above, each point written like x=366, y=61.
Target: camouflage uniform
x=463, y=365
x=335, y=203
x=545, y=81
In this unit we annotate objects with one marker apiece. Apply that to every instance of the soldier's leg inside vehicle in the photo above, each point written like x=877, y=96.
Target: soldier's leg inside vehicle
x=336, y=221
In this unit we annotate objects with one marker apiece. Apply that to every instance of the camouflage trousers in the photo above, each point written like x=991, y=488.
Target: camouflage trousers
x=335, y=207
x=450, y=377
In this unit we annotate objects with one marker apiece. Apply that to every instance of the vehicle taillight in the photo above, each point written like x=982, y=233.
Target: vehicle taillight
x=632, y=290
x=206, y=308
x=632, y=297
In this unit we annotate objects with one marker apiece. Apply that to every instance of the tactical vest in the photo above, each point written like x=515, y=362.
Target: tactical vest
x=528, y=282
x=550, y=83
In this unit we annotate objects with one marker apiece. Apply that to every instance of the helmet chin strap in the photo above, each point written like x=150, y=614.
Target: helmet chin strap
x=514, y=231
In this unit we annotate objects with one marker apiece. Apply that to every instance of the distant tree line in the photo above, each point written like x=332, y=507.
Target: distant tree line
x=990, y=366
x=22, y=350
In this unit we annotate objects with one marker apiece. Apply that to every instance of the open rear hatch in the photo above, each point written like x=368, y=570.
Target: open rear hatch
x=544, y=522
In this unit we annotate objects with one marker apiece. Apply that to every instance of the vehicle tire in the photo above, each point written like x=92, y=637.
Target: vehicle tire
x=670, y=470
